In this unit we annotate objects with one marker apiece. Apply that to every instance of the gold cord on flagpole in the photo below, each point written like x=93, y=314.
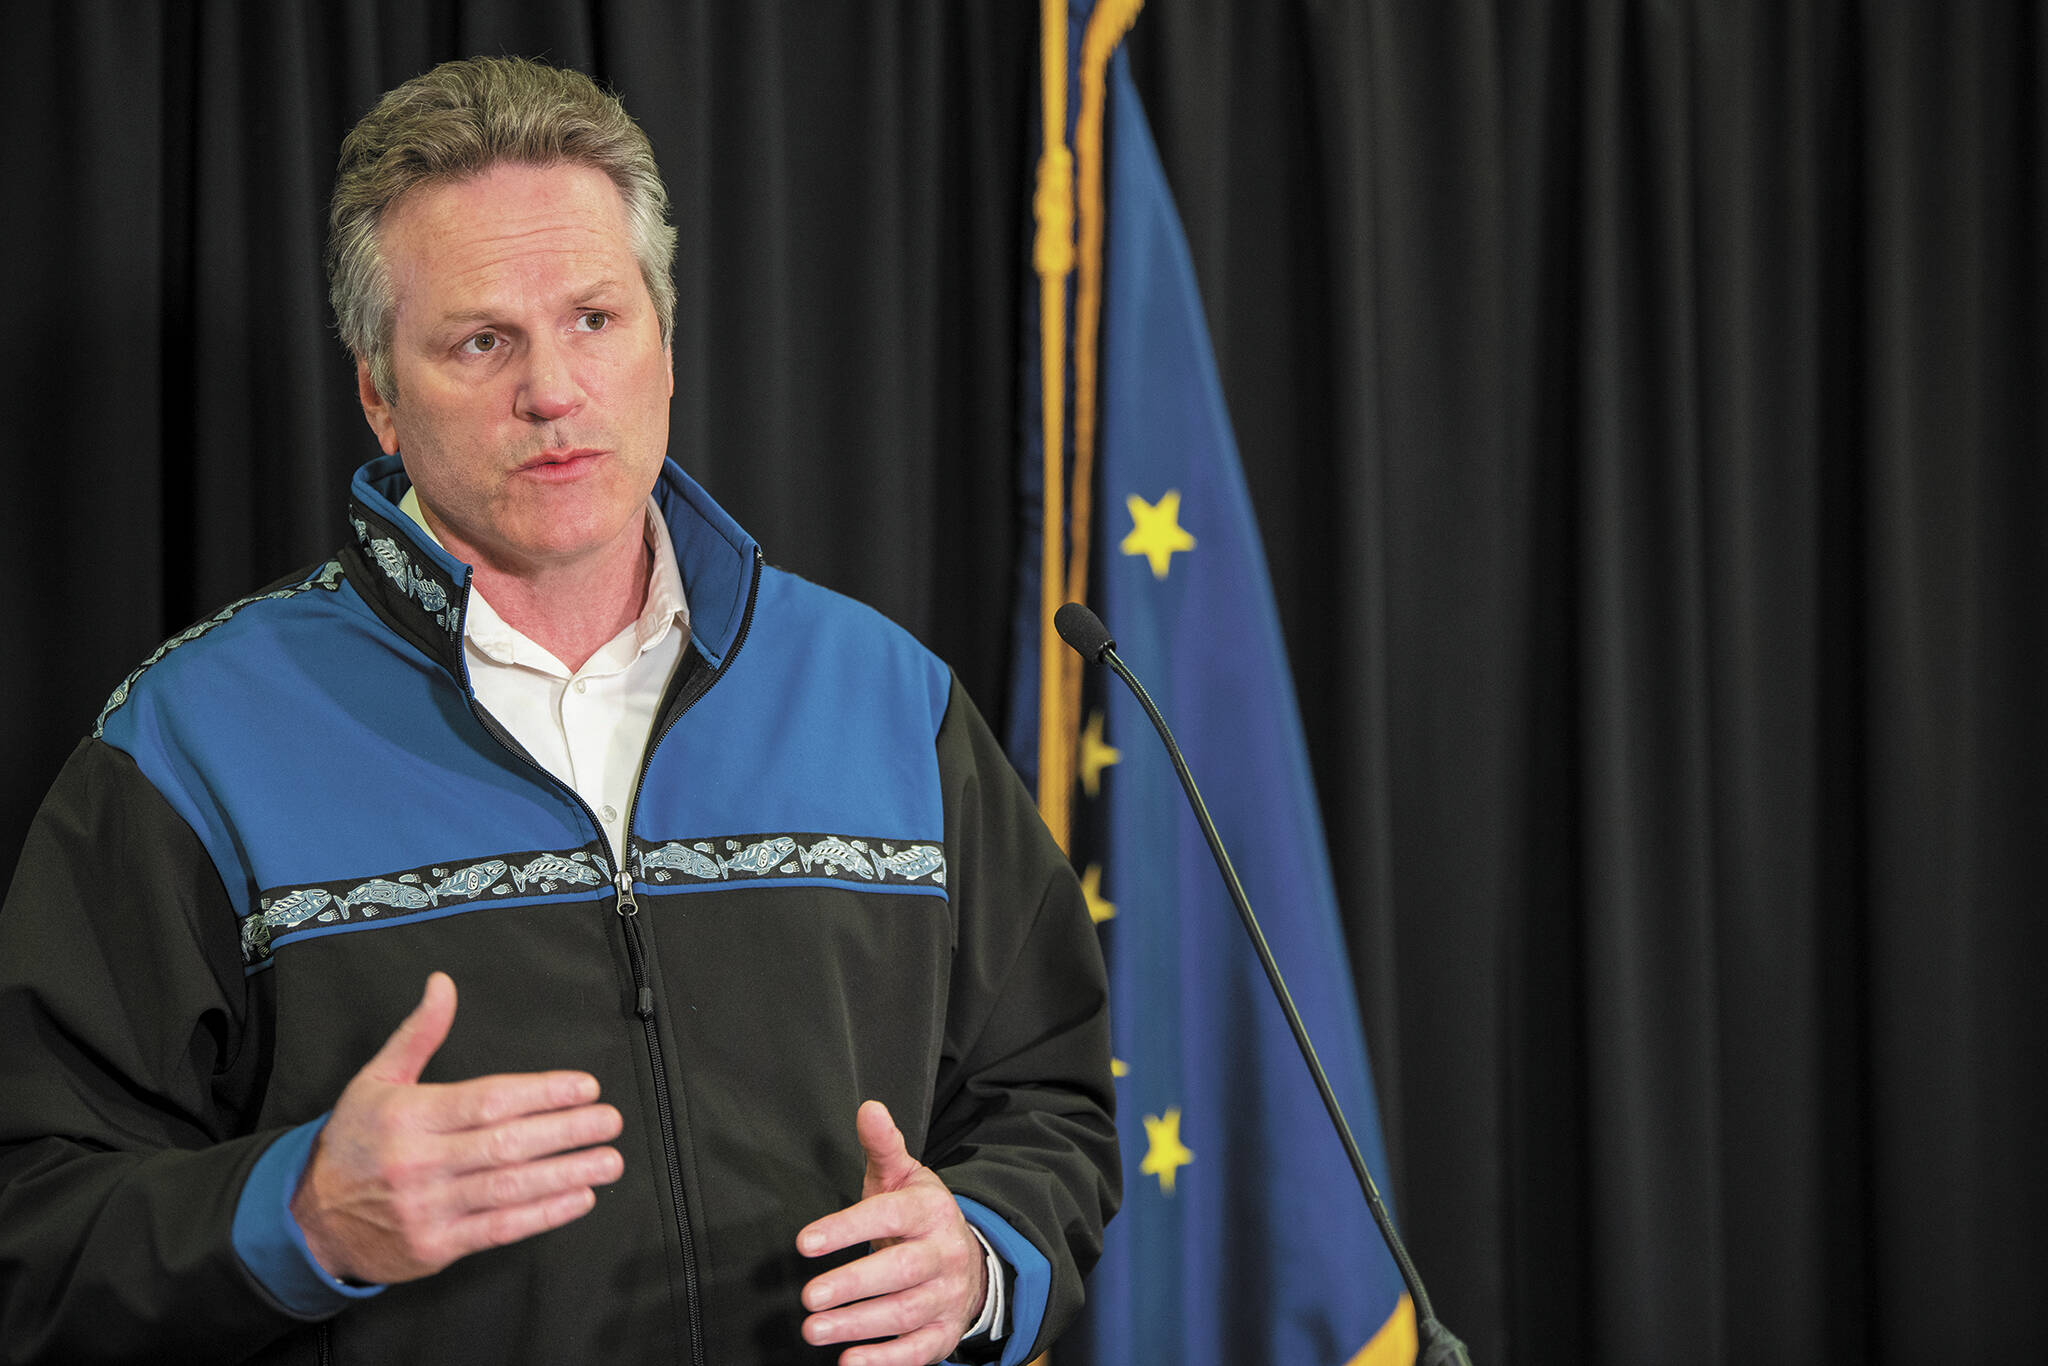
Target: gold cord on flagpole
x=1107, y=25
x=1053, y=258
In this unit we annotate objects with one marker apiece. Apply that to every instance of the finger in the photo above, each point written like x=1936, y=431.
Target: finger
x=535, y=1136
x=482, y=1102
x=404, y=1055
x=929, y=1343
x=512, y=1223
x=892, y=1214
x=889, y=1161
x=504, y=1187
x=896, y=1267
x=886, y=1317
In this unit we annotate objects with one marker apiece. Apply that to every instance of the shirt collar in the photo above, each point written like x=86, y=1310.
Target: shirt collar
x=666, y=606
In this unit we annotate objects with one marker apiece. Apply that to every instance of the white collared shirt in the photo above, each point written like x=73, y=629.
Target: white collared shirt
x=588, y=726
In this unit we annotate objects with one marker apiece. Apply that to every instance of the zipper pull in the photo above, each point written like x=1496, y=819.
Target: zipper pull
x=627, y=905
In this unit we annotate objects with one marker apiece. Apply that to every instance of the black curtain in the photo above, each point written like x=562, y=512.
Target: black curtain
x=1640, y=404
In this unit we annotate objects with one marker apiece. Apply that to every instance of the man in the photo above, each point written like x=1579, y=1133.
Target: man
x=542, y=932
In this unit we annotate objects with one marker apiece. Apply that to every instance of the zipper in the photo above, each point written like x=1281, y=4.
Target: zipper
x=325, y=1342
x=643, y=1007
x=636, y=954
x=628, y=908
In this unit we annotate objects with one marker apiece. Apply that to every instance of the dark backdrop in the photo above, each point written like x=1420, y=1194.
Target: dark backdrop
x=1641, y=402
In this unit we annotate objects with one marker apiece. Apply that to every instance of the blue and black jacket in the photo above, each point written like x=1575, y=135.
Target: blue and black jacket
x=835, y=889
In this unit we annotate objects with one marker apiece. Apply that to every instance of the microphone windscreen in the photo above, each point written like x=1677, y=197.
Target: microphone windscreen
x=1083, y=630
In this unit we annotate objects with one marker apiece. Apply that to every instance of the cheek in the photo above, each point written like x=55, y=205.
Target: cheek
x=448, y=449
x=632, y=396
x=465, y=417
x=654, y=382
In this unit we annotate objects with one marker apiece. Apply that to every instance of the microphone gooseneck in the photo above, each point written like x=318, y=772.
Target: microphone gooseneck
x=1084, y=632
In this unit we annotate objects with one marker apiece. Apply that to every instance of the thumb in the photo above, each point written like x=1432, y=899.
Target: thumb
x=889, y=1161
x=404, y=1055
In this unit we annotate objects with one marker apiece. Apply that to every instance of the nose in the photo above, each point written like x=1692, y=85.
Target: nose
x=548, y=391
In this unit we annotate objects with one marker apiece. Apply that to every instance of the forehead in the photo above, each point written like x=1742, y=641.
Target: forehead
x=511, y=230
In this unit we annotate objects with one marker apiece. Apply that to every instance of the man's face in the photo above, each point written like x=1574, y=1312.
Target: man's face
x=533, y=387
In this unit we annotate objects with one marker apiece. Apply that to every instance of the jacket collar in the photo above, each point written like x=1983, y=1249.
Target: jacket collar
x=422, y=591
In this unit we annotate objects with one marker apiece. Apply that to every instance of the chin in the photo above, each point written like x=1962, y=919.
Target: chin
x=560, y=541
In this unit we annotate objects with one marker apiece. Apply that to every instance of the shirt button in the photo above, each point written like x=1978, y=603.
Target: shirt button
x=610, y=816
x=581, y=685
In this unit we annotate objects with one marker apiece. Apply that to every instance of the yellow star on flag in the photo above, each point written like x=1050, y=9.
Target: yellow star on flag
x=1096, y=755
x=1119, y=1068
x=1099, y=908
x=1167, y=1153
x=1156, y=531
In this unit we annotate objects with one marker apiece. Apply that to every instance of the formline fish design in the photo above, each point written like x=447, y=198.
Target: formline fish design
x=916, y=861
x=761, y=856
x=833, y=852
x=414, y=582
x=551, y=870
x=677, y=857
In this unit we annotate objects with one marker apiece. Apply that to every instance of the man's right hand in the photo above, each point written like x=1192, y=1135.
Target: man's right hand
x=407, y=1177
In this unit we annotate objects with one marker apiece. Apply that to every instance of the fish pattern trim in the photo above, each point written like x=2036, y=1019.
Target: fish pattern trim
x=327, y=576
x=747, y=858
x=283, y=912
x=429, y=592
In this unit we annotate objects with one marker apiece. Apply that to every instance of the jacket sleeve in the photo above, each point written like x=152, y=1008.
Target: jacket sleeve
x=1023, y=1121
x=127, y=1075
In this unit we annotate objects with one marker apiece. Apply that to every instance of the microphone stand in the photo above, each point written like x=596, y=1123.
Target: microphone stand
x=1436, y=1345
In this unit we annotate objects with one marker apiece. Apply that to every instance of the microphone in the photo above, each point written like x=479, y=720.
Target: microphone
x=1084, y=631
x=1089, y=638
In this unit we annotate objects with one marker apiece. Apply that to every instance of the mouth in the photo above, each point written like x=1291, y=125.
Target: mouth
x=565, y=463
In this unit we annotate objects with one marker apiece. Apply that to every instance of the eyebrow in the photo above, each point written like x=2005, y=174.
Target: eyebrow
x=594, y=289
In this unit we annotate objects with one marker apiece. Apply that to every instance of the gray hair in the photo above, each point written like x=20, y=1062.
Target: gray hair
x=460, y=120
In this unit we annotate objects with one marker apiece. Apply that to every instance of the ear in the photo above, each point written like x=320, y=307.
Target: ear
x=376, y=411
x=668, y=353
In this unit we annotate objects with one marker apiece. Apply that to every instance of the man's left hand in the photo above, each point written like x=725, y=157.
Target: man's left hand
x=923, y=1283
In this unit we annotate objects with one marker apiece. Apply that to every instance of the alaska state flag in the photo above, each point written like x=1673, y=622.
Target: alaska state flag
x=1243, y=1237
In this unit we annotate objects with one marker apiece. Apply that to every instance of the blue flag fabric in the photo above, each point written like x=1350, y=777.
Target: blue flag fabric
x=1243, y=1236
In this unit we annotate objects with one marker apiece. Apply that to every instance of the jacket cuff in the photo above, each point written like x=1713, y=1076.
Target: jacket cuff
x=269, y=1241
x=1031, y=1284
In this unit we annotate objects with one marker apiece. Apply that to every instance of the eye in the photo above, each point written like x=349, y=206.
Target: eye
x=594, y=321
x=482, y=344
